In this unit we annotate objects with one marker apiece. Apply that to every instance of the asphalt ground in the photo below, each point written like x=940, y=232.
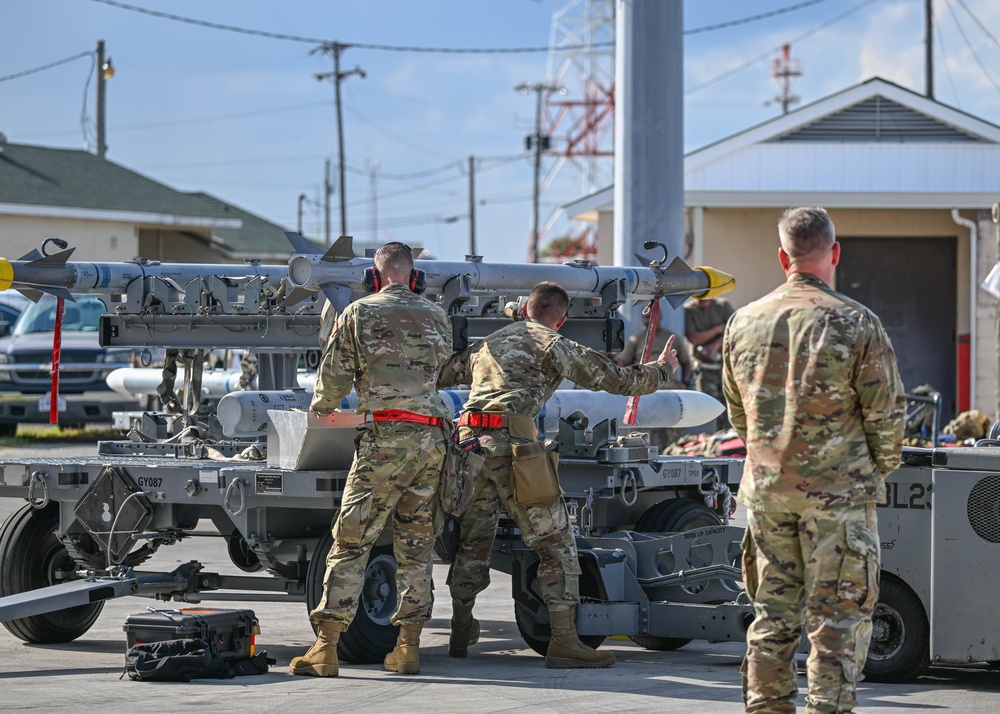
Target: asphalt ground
x=501, y=673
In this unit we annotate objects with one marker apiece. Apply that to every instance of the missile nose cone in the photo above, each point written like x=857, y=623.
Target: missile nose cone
x=6, y=274
x=116, y=381
x=718, y=282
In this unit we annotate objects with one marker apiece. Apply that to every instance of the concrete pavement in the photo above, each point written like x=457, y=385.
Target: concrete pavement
x=501, y=674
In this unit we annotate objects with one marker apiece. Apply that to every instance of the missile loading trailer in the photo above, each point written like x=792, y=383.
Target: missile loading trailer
x=91, y=522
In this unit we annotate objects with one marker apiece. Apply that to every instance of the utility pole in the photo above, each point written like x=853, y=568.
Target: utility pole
x=327, y=191
x=929, y=47
x=302, y=199
x=472, y=205
x=538, y=142
x=373, y=168
x=105, y=71
x=336, y=49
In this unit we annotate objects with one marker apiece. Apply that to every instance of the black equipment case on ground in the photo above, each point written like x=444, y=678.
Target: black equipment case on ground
x=230, y=633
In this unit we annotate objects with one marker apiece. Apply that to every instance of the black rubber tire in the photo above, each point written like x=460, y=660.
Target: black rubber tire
x=900, y=644
x=534, y=624
x=31, y=557
x=673, y=516
x=371, y=636
x=8, y=430
x=676, y=516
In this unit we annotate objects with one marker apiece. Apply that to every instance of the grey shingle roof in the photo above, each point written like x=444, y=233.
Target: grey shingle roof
x=73, y=178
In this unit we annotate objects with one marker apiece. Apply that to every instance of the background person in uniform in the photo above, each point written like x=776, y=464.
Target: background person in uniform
x=814, y=390
x=632, y=354
x=704, y=324
x=513, y=372
x=391, y=346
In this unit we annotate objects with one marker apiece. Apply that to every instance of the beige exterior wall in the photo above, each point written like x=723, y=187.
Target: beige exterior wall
x=93, y=240
x=744, y=242
x=169, y=246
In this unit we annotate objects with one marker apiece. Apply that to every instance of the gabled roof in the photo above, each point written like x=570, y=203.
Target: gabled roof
x=37, y=180
x=873, y=145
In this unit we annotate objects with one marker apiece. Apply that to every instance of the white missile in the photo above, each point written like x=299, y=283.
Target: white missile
x=244, y=414
x=144, y=380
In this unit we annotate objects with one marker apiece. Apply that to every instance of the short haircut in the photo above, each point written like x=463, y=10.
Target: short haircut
x=394, y=261
x=806, y=232
x=548, y=302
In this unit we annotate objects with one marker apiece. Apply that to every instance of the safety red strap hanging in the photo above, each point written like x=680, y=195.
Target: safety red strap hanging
x=56, y=352
x=632, y=406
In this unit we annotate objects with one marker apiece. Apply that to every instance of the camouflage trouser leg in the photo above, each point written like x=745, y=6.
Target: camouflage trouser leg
x=545, y=530
x=709, y=381
x=395, y=474
x=818, y=569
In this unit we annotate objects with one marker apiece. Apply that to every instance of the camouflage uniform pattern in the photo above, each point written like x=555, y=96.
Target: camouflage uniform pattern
x=814, y=391
x=516, y=370
x=708, y=368
x=390, y=346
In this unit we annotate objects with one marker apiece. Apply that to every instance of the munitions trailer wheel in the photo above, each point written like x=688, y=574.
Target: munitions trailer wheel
x=371, y=636
x=8, y=429
x=676, y=516
x=532, y=616
x=31, y=557
x=673, y=516
x=900, y=635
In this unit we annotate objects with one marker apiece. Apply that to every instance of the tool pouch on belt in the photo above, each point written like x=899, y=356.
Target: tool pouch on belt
x=534, y=477
x=459, y=478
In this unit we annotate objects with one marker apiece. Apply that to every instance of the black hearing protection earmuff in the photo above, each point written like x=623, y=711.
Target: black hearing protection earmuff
x=372, y=282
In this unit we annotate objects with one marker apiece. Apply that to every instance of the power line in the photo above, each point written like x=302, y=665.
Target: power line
x=752, y=18
x=761, y=58
x=50, y=65
x=944, y=53
x=434, y=50
x=972, y=49
x=981, y=25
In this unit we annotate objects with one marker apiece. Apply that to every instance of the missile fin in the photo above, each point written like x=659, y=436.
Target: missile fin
x=37, y=291
x=30, y=293
x=59, y=258
x=301, y=244
x=296, y=296
x=341, y=250
x=339, y=296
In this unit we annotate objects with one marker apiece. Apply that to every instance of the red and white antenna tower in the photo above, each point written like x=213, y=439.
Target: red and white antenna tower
x=785, y=69
x=581, y=122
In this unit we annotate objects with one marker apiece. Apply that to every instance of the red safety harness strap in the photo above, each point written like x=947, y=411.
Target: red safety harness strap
x=403, y=415
x=483, y=420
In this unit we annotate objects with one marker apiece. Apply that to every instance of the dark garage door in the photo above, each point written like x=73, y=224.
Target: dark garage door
x=910, y=283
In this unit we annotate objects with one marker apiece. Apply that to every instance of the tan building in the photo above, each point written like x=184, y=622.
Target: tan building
x=909, y=183
x=109, y=212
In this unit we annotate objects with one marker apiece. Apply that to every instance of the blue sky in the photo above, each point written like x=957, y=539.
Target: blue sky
x=242, y=117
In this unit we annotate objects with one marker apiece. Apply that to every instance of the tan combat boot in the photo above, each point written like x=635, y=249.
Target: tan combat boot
x=565, y=649
x=464, y=630
x=405, y=659
x=321, y=659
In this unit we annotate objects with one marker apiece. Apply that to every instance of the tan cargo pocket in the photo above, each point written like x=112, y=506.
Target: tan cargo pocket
x=859, y=569
x=534, y=480
x=459, y=479
x=352, y=521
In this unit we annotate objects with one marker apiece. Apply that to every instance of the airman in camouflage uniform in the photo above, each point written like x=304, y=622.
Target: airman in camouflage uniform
x=704, y=322
x=513, y=372
x=391, y=346
x=813, y=389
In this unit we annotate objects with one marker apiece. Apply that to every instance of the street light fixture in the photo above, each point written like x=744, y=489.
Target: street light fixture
x=538, y=142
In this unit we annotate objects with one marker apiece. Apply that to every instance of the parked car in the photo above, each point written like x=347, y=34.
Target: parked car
x=12, y=304
x=26, y=367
